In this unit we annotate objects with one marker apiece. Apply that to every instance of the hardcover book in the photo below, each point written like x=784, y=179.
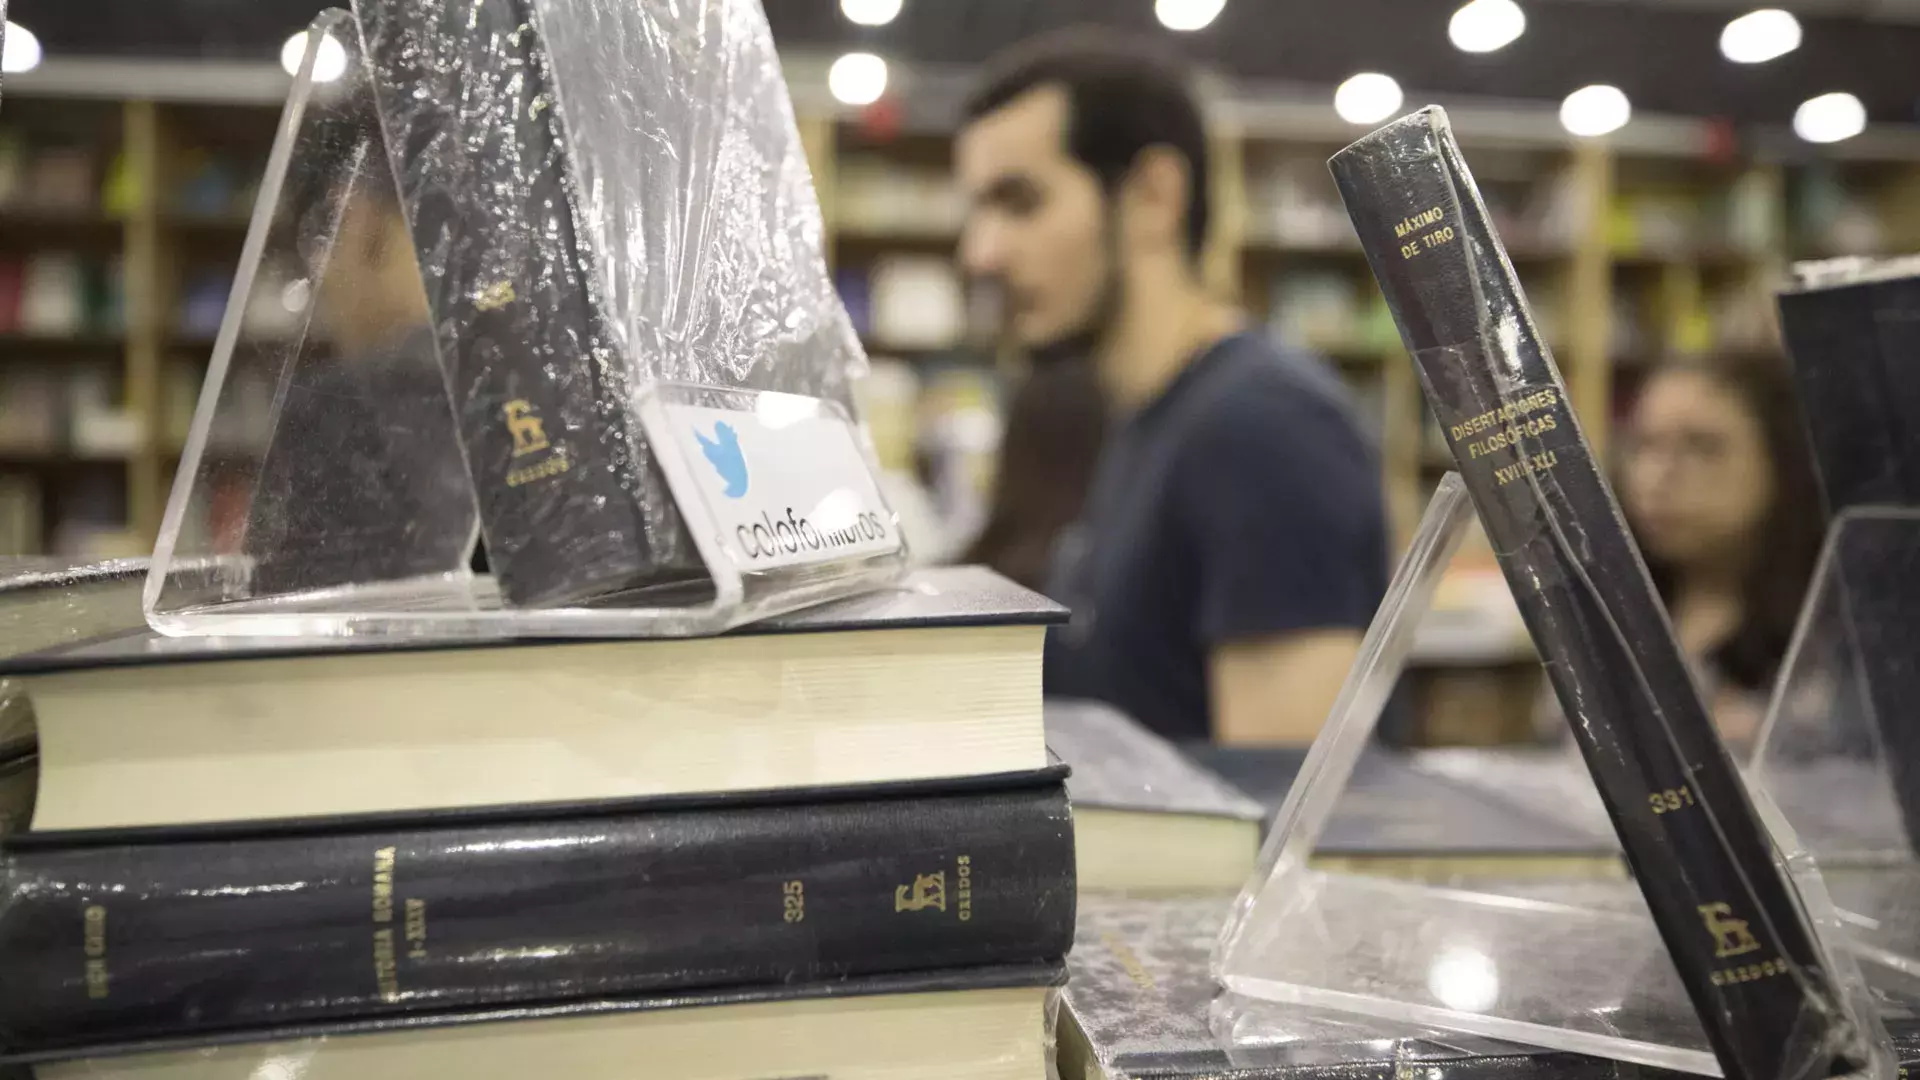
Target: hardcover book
x=1726, y=912
x=601, y=196
x=971, y=1024
x=1398, y=814
x=1852, y=329
x=110, y=942
x=1853, y=334
x=146, y=730
x=1145, y=816
x=45, y=603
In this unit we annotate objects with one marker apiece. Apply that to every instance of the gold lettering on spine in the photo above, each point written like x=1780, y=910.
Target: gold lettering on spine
x=966, y=888
x=553, y=466
x=1414, y=240
x=1505, y=428
x=1417, y=222
x=383, y=885
x=386, y=968
x=95, y=918
x=386, y=963
x=416, y=929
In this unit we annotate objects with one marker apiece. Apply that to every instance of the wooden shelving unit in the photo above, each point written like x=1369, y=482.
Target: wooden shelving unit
x=1575, y=276
x=125, y=204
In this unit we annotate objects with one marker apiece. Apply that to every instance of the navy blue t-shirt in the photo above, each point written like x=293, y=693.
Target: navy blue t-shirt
x=1242, y=503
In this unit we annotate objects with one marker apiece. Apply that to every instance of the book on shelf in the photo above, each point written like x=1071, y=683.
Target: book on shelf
x=1725, y=910
x=1146, y=817
x=1318, y=310
x=22, y=528
x=881, y=198
x=144, y=729
x=917, y=302
x=32, y=410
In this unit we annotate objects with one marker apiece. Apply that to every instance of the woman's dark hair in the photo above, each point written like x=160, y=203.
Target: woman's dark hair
x=1056, y=424
x=1789, y=537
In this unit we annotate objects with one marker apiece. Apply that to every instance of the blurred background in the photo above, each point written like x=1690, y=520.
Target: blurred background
x=1653, y=165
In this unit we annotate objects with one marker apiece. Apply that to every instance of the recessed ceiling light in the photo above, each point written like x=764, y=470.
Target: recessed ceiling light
x=870, y=12
x=1830, y=118
x=1486, y=25
x=1186, y=15
x=329, y=63
x=1595, y=110
x=1760, y=36
x=1367, y=98
x=20, y=52
x=858, y=78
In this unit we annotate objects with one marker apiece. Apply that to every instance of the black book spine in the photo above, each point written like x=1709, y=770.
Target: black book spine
x=570, y=504
x=1728, y=916
x=1855, y=351
x=119, y=943
x=1851, y=349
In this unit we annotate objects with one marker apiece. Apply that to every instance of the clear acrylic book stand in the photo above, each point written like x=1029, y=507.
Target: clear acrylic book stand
x=1583, y=972
x=322, y=491
x=1823, y=755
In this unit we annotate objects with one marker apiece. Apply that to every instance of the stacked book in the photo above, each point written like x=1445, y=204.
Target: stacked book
x=833, y=845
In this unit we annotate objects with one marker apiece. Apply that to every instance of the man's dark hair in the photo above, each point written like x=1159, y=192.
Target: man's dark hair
x=1124, y=94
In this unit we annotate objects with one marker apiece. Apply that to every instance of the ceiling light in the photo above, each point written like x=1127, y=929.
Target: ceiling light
x=328, y=64
x=1187, y=14
x=1486, y=25
x=870, y=12
x=858, y=78
x=20, y=51
x=1830, y=118
x=1760, y=36
x=1595, y=110
x=1367, y=98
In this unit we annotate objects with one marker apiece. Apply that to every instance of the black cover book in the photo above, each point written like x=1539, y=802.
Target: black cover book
x=1118, y=764
x=113, y=943
x=600, y=196
x=835, y=694
x=540, y=399
x=245, y=1054
x=1728, y=916
x=1853, y=335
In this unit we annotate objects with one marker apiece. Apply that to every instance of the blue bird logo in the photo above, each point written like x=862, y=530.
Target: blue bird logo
x=723, y=451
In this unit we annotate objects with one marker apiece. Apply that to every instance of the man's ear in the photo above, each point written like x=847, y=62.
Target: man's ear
x=1156, y=197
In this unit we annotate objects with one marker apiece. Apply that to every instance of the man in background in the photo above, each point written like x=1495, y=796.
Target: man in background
x=1233, y=546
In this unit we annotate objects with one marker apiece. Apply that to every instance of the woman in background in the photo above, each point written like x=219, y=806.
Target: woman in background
x=1719, y=489
x=1056, y=423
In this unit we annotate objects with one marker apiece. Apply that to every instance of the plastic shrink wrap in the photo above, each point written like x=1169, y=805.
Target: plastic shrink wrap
x=602, y=194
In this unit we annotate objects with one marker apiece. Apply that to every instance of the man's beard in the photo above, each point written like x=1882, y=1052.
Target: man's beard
x=1084, y=340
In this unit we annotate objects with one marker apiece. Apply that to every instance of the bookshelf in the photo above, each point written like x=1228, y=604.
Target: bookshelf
x=1633, y=249
x=121, y=221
